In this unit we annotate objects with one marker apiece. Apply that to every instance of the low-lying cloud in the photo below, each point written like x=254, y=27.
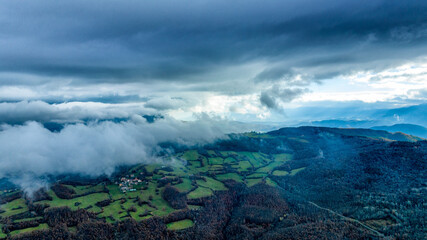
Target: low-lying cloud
x=29, y=151
x=20, y=112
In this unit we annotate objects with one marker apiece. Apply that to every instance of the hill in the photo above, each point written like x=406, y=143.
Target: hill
x=292, y=183
x=411, y=129
x=360, y=132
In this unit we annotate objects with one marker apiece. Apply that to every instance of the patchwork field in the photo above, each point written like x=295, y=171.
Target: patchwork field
x=138, y=193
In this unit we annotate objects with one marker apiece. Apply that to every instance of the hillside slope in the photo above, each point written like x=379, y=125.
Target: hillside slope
x=293, y=183
x=412, y=129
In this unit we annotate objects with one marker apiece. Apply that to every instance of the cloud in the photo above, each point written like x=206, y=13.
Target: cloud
x=20, y=112
x=166, y=103
x=166, y=56
x=28, y=152
x=420, y=93
x=275, y=96
x=171, y=42
x=268, y=101
x=291, y=77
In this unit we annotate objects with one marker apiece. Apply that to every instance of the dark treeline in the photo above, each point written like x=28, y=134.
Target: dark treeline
x=175, y=198
x=259, y=212
x=65, y=192
x=381, y=183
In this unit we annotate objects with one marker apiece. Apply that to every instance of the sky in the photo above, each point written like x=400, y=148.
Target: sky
x=241, y=60
x=206, y=64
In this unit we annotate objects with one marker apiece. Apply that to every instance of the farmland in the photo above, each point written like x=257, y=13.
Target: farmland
x=252, y=184
x=137, y=194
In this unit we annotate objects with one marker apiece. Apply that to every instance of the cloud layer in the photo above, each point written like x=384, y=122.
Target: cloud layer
x=20, y=112
x=50, y=49
x=30, y=151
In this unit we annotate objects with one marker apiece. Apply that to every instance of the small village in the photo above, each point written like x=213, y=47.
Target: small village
x=11, y=190
x=129, y=183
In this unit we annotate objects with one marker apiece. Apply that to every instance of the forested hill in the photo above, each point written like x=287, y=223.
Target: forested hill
x=360, y=132
x=293, y=183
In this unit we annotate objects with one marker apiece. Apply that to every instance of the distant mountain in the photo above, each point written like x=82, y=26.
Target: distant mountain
x=411, y=129
x=412, y=114
x=339, y=123
x=360, y=132
x=359, y=117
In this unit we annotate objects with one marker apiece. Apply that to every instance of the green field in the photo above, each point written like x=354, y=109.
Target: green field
x=194, y=164
x=280, y=173
x=230, y=160
x=114, y=210
x=200, y=192
x=27, y=219
x=190, y=155
x=179, y=225
x=233, y=176
x=114, y=192
x=212, y=184
x=39, y=227
x=185, y=186
x=270, y=182
x=244, y=166
x=193, y=174
x=86, y=189
x=228, y=153
x=255, y=159
x=251, y=182
x=15, y=207
x=295, y=171
x=257, y=175
x=216, y=160
x=284, y=157
x=163, y=208
x=76, y=203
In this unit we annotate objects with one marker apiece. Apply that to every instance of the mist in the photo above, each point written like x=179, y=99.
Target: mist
x=29, y=152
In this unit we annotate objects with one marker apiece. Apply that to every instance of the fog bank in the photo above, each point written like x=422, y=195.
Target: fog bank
x=30, y=151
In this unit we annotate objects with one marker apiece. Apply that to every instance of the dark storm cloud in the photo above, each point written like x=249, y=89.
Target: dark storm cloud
x=117, y=42
x=291, y=77
x=102, y=98
x=274, y=96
